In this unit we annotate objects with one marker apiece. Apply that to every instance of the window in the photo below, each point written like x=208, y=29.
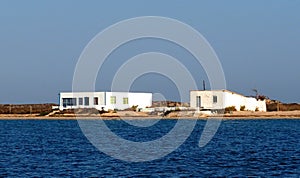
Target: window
x=215, y=99
x=80, y=101
x=95, y=100
x=125, y=100
x=69, y=102
x=86, y=101
x=113, y=100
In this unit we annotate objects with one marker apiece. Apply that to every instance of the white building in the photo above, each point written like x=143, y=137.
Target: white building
x=220, y=99
x=104, y=100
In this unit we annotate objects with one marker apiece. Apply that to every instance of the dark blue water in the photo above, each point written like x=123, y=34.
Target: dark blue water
x=263, y=148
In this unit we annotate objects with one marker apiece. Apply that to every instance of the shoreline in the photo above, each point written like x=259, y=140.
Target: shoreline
x=151, y=118
x=238, y=115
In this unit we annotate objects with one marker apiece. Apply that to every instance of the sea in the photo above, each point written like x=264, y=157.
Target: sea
x=239, y=148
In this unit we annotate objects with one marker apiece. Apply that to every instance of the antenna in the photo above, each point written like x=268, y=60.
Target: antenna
x=256, y=92
x=203, y=84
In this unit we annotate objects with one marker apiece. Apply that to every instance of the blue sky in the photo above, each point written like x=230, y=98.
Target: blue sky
x=257, y=43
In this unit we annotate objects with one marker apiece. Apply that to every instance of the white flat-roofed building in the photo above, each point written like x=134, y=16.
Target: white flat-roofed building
x=104, y=100
x=220, y=99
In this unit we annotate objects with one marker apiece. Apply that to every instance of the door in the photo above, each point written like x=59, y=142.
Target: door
x=198, y=101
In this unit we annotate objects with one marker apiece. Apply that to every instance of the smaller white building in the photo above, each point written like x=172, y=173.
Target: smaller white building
x=220, y=99
x=104, y=100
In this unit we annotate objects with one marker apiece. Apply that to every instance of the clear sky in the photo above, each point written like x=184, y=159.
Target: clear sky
x=40, y=42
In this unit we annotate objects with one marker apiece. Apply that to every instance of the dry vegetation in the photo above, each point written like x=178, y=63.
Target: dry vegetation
x=30, y=110
x=273, y=106
x=169, y=104
x=26, y=108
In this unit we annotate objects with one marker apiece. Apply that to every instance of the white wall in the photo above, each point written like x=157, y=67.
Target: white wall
x=77, y=95
x=119, y=100
x=233, y=99
x=225, y=99
x=237, y=100
x=252, y=104
x=207, y=99
x=141, y=99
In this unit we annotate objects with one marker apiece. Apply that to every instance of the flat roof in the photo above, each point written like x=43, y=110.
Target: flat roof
x=224, y=90
x=104, y=92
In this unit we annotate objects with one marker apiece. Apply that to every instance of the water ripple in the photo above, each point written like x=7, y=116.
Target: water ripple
x=260, y=148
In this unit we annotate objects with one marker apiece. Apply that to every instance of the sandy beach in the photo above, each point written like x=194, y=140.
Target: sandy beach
x=176, y=115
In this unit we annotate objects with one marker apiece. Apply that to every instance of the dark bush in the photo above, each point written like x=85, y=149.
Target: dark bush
x=43, y=113
x=242, y=108
x=230, y=109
